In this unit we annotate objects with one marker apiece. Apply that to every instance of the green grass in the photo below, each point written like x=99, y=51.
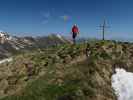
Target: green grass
x=41, y=90
x=77, y=78
x=45, y=59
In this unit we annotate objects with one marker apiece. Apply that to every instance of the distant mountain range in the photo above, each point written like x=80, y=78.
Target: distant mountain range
x=10, y=45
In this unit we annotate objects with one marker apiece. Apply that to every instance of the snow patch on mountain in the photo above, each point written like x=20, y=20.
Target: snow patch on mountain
x=6, y=60
x=60, y=37
x=122, y=83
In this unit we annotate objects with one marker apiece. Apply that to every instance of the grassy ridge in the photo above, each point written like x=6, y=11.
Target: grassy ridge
x=65, y=73
x=43, y=79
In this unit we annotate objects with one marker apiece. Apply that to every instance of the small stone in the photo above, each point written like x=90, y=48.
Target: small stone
x=3, y=84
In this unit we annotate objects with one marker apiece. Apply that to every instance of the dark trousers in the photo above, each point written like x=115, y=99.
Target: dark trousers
x=74, y=37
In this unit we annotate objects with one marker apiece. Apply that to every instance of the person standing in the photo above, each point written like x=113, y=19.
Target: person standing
x=75, y=32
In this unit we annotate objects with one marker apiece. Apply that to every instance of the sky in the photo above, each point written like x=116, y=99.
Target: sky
x=43, y=17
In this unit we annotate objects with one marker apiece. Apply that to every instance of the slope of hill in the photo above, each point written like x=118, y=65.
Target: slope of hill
x=10, y=45
x=67, y=72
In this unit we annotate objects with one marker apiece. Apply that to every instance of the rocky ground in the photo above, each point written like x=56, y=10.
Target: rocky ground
x=66, y=72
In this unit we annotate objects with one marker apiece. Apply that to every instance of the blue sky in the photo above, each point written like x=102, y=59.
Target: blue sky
x=42, y=17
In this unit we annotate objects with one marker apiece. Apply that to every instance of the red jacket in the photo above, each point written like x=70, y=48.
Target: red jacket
x=75, y=29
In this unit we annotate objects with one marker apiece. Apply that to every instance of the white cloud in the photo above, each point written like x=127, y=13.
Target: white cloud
x=49, y=15
x=46, y=15
x=65, y=17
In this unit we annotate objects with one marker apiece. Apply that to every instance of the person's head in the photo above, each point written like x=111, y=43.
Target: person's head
x=75, y=24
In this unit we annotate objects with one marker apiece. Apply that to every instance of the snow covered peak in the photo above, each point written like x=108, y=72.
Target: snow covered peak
x=2, y=34
x=4, y=37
